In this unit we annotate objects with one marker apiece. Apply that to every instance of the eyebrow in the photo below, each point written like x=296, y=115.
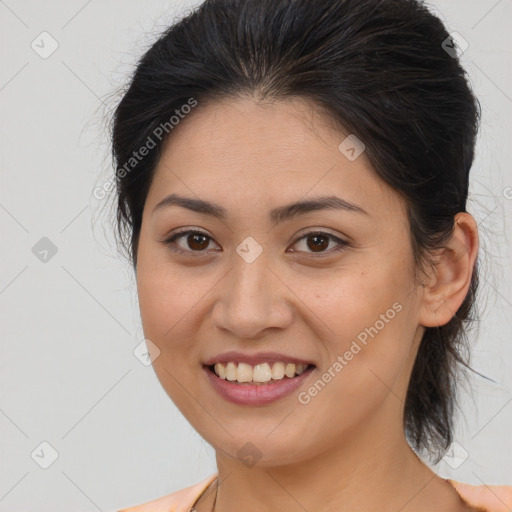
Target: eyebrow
x=277, y=215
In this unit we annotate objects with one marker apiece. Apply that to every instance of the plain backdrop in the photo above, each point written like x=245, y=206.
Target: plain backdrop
x=73, y=396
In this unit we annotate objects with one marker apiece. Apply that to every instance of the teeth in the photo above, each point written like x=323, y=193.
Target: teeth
x=278, y=371
x=230, y=371
x=261, y=373
x=243, y=372
x=289, y=370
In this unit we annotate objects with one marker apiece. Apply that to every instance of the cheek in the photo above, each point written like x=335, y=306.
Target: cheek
x=167, y=296
x=368, y=327
x=349, y=303
x=166, y=301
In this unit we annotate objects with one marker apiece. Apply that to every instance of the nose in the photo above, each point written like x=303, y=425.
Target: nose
x=253, y=298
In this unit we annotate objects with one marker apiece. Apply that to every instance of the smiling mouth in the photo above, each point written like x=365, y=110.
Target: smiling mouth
x=261, y=374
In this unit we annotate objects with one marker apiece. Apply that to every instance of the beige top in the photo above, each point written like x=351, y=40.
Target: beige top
x=178, y=501
x=485, y=498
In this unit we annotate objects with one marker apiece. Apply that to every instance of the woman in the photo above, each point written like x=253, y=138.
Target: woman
x=292, y=185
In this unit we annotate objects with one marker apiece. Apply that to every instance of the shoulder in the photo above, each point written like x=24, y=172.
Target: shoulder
x=178, y=501
x=489, y=498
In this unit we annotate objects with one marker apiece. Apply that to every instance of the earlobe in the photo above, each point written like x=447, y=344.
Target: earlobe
x=449, y=282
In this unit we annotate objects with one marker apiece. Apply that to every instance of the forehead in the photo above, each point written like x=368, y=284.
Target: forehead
x=241, y=149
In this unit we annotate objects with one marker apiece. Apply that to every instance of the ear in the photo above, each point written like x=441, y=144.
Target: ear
x=448, y=283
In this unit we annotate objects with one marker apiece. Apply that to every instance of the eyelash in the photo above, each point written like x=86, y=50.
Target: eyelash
x=170, y=242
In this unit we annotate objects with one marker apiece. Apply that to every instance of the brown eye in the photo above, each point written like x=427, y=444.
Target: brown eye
x=318, y=241
x=197, y=242
x=194, y=242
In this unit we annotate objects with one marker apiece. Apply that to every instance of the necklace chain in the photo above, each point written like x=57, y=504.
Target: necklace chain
x=216, y=493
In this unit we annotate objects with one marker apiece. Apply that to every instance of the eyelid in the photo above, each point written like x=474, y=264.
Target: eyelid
x=342, y=244
x=181, y=232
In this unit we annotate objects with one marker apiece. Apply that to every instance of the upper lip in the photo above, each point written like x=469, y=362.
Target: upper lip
x=254, y=359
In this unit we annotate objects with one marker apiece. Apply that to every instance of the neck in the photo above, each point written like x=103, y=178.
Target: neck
x=358, y=475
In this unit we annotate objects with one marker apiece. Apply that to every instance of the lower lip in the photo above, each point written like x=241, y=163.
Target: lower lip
x=257, y=394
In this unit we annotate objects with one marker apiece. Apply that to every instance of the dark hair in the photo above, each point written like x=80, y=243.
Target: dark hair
x=381, y=70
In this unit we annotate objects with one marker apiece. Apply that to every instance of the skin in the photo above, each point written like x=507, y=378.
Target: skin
x=250, y=157
x=491, y=498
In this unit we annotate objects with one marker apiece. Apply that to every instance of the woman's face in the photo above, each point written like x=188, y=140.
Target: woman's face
x=254, y=283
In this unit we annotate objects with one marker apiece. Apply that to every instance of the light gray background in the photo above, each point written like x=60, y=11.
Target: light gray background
x=69, y=325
